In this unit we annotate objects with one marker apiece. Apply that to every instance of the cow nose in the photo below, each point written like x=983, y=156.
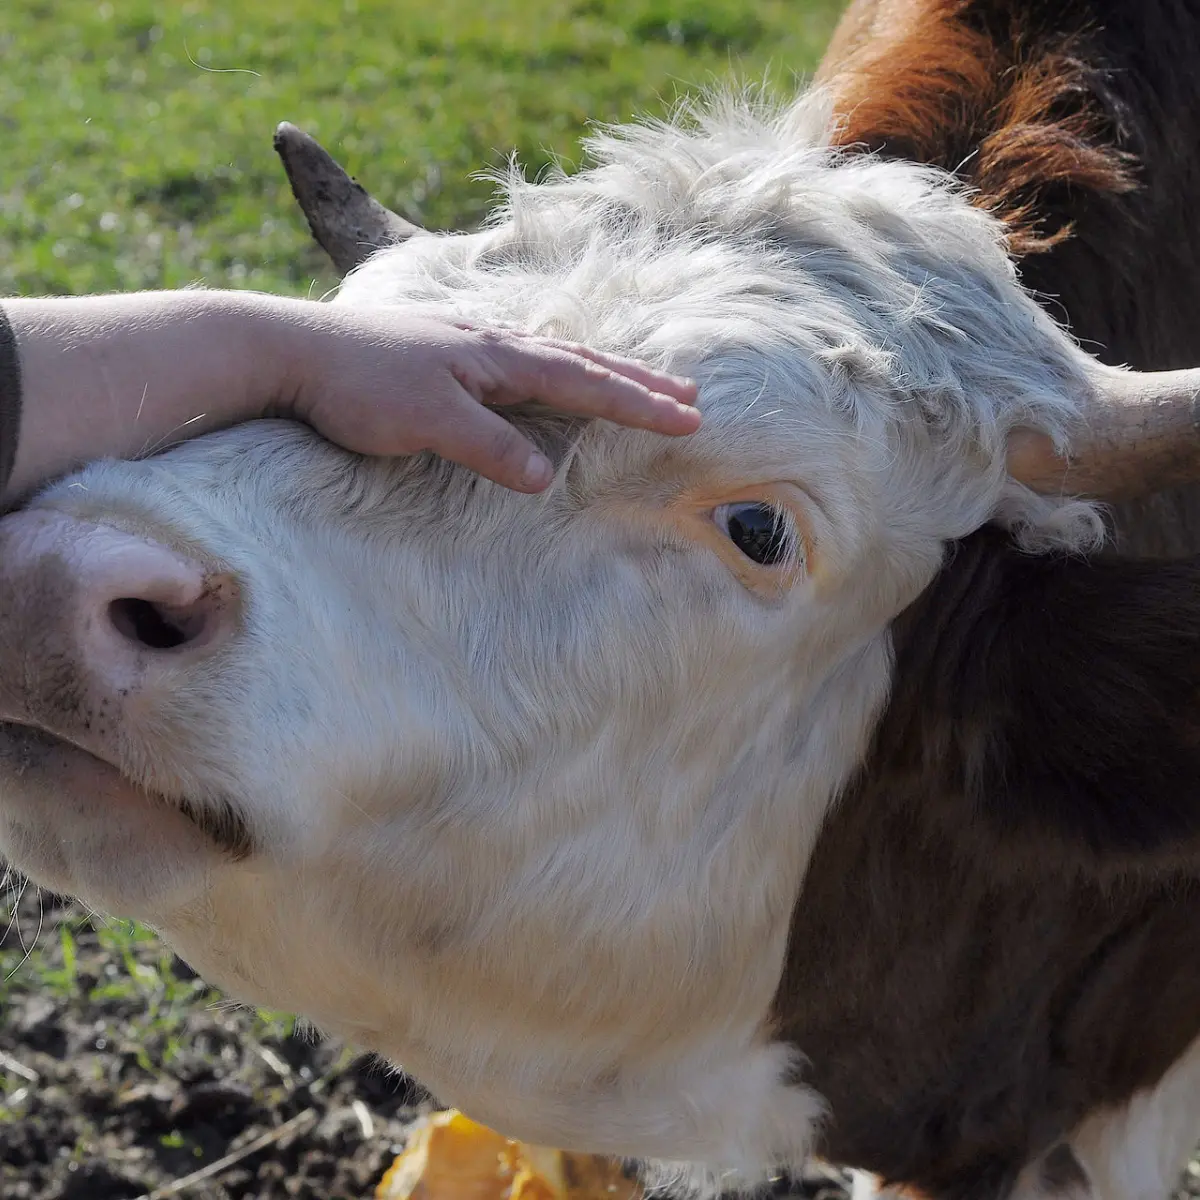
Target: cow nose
x=116, y=600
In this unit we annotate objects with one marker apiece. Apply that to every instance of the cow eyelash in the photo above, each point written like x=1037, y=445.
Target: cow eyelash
x=764, y=533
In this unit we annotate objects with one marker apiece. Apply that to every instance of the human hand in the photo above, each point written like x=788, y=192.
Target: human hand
x=384, y=382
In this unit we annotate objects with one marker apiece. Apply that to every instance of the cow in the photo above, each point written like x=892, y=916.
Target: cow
x=806, y=786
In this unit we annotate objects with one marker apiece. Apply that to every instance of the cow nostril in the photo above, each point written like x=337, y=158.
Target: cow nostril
x=153, y=626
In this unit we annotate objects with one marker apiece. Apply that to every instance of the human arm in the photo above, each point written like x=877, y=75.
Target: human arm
x=88, y=377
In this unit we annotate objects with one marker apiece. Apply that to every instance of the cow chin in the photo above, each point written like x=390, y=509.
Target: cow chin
x=76, y=824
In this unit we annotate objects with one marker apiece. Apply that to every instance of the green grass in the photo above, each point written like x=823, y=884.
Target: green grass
x=136, y=137
x=123, y=963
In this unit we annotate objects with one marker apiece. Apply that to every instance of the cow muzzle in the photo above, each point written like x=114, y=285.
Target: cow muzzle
x=99, y=625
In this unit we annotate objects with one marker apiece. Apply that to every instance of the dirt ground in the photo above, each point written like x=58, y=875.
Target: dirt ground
x=121, y=1074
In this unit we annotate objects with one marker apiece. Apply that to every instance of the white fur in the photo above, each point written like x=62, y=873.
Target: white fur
x=537, y=779
x=1138, y=1152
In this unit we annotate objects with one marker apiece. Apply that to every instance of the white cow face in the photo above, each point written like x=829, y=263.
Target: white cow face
x=518, y=790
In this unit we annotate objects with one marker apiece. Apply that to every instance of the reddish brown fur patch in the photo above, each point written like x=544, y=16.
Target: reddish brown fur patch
x=981, y=94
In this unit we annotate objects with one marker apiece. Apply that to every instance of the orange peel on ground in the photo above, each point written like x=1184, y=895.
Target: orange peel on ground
x=450, y=1157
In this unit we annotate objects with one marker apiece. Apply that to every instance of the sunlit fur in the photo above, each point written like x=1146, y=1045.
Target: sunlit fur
x=536, y=778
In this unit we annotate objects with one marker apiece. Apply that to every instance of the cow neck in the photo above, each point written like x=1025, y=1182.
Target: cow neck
x=999, y=930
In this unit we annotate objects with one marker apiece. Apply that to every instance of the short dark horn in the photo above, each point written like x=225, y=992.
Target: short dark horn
x=348, y=224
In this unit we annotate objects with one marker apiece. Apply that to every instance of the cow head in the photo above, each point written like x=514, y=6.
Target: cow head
x=519, y=791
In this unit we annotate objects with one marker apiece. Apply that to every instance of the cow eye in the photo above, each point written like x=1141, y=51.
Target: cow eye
x=760, y=531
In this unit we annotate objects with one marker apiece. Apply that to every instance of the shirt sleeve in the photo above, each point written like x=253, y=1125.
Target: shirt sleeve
x=10, y=398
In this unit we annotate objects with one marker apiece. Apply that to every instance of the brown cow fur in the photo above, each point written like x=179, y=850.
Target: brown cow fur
x=1078, y=122
x=1017, y=115
x=1000, y=928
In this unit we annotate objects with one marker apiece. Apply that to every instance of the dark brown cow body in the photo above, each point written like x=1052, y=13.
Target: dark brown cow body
x=1000, y=930
x=1079, y=122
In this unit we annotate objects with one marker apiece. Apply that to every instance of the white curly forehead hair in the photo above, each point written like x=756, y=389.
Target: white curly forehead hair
x=815, y=294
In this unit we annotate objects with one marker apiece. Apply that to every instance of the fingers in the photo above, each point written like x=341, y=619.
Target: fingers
x=595, y=385
x=682, y=390
x=452, y=372
x=467, y=433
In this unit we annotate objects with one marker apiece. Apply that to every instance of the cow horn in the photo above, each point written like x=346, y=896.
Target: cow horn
x=1141, y=435
x=348, y=224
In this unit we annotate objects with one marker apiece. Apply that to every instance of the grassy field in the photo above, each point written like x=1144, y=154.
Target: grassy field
x=137, y=137
x=136, y=154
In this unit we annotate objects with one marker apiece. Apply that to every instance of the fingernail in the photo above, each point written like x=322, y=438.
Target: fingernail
x=538, y=471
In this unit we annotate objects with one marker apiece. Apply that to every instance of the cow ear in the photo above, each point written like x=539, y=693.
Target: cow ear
x=1058, y=697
